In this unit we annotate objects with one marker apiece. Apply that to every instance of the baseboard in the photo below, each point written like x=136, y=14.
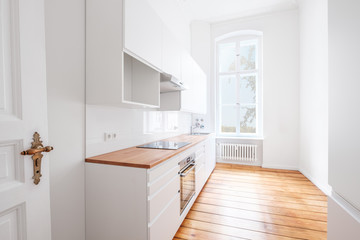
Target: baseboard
x=350, y=209
x=284, y=167
x=257, y=163
x=325, y=188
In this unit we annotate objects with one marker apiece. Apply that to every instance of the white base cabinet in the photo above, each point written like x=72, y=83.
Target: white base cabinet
x=137, y=203
x=210, y=155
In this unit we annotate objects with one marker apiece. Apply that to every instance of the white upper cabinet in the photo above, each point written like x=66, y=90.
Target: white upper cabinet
x=193, y=99
x=171, y=54
x=200, y=97
x=141, y=83
x=113, y=77
x=143, y=32
x=104, y=59
x=127, y=47
x=187, y=67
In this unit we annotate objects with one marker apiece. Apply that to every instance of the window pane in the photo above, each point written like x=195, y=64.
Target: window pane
x=248, y=53
x=228, y=89
x=248, y=88
x=227, y=57
x=248, y=119
x=228, y=119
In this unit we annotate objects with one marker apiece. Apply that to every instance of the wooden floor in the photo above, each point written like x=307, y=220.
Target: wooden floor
x=243, y=202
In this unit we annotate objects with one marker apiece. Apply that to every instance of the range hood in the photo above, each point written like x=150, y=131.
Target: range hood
x=169, y=83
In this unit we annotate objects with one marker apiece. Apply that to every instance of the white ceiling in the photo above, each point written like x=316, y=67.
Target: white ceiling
x=221, y=10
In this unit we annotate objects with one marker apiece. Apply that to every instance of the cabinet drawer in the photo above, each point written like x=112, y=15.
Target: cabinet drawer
x=158, y=183
x=158, y=171
x=166, y=225
x=160, y=199
x=200, y=150
x=200, y=159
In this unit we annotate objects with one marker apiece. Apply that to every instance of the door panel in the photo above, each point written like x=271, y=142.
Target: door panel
x=24, y=206
x=11, y=164
x=10, y=91
x=12, y=225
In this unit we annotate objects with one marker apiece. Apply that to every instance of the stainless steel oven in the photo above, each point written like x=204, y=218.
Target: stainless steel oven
x=187, y=181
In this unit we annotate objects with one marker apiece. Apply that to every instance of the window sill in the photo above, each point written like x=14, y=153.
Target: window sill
x=240, y=138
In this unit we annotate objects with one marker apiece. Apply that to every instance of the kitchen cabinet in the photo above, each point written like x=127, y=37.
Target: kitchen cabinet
x=141, y=82
x=210, y=155
x=112, y=76
x=132, y=203
x=193, y=99
x=127, y=47
x=187, y=96
x=205, y=162
x=171, y=54
x=199, y=95
x=200, y=169
x=124, y=202
x=143, y=31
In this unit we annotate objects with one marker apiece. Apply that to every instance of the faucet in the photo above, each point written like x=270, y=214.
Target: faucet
x=197, y=125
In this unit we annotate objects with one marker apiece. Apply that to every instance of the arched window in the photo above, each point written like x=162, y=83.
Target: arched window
x=239, y=84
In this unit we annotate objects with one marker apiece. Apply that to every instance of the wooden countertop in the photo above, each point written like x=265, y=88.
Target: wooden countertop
x=145, y=157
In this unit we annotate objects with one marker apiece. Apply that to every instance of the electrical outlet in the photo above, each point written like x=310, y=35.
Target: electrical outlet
x=108, y=137
x=115, y=136
x=111, y=136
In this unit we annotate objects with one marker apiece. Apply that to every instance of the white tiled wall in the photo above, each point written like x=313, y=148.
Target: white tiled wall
x=131, y=126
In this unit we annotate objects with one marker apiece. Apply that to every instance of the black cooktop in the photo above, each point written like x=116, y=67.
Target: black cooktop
x=165, y=145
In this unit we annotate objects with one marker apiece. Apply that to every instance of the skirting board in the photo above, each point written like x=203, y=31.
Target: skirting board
x=219, y=160
x=350, y=209
x=324, y=188
x=284, y=167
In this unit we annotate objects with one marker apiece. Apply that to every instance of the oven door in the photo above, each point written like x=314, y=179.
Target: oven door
x=187, y=187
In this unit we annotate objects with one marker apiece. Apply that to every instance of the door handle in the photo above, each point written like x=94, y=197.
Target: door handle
x=36, y=151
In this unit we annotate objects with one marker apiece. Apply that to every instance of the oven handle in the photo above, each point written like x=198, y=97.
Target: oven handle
x=183, y=173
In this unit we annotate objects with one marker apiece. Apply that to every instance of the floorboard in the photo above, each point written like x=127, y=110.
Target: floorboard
x=245, y=202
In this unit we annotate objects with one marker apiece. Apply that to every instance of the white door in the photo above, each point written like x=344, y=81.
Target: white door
x=24, y=206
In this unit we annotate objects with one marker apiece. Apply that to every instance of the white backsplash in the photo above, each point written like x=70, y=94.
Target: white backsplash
x=131, y=126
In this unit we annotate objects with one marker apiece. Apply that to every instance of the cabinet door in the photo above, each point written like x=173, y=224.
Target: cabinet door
x=143, y=31
x=200, y=178
x=171, y=54
x=210, y=156
x=194, y=99
x=200, y=90
x=187, y=96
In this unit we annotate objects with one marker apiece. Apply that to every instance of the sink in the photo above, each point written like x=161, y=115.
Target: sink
x=199, y=133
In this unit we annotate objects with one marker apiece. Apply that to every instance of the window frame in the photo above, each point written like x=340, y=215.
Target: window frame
x=237, y=38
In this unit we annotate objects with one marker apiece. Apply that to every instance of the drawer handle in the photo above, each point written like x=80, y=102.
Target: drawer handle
x=191, y=167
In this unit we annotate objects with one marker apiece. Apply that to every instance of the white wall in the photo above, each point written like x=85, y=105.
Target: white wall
x=343, y=220
x=131, y=128
x=65, y=45
x=313, y=22
x=280, y=83
x=344, y=112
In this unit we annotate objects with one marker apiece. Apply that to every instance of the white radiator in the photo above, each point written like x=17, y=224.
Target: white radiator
x=238, y=152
